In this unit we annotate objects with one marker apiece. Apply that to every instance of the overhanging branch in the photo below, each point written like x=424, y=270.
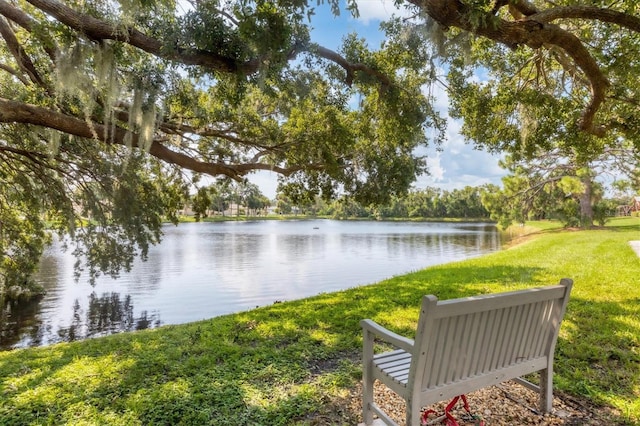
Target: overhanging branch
x=17, y=112
x=16, y=15
x=588, y=12
x=535, y=31
x=97, y=29
x=21, y=57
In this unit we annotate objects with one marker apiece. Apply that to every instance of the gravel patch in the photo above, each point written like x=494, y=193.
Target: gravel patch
x=506, y=404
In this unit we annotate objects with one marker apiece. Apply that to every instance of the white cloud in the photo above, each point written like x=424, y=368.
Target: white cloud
x=458, y=164
x=184, y=6
x=438, y=93
x=436, y=171
x=378, y=10
x=266, y=181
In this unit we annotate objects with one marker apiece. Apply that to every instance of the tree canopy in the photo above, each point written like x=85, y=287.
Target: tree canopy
x=104, y=106
x=554, y=68
x=563, y=182
x=556, y=93
x=109, y=109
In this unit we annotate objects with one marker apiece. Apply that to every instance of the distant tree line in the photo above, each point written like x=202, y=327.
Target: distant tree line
x=430, y=202
x=245, y=198
x=517, y=201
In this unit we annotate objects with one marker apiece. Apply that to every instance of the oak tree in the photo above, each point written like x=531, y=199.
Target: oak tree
x=110, y=109
x=551, y=84
x=543, y=64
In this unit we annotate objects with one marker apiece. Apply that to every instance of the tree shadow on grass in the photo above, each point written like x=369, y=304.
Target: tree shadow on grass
x=598, y=356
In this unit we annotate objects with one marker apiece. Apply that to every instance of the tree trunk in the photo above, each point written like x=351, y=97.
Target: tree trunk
x=586, y=208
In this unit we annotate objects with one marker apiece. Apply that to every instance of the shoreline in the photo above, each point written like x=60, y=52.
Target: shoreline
x=298, y=362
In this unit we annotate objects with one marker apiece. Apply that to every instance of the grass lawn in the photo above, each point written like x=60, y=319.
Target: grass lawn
x=295, y=362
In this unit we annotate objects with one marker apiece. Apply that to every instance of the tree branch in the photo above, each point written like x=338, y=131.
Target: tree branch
x=168, y=126
x=14, y=72
x=17, y=112
x=349, y=67
x=588, y=12
x=522, y=7
x=16, y=15
x=534, y=33
x=97, y=29
x=21, y=57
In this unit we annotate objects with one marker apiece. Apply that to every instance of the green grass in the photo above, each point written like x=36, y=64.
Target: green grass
x=297, y=362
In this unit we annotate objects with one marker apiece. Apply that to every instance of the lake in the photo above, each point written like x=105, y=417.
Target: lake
x=203, y=270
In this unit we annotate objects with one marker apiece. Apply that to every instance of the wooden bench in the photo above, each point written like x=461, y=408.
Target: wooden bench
x=462, y=345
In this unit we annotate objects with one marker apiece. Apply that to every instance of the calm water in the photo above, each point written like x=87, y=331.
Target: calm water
x=202, y=270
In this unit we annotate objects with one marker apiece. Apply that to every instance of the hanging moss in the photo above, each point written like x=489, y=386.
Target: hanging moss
x=53, y=137
x=147, y=129
x=87, y=73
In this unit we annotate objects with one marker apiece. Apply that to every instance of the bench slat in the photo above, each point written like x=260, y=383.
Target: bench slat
x=502, y=340
x=472, y=344
x=400, y=372
x=484, y=337
x=397, y=366
x=487, y=302
x=391, y=356
x=457, y=353
x=514, y=333
x=531, y=326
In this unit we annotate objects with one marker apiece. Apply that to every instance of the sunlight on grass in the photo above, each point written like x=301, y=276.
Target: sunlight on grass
x=22, y=379
x=83, y=413
x=89, y=374
x=323, y=336
x=255, y=396
x=74, y=388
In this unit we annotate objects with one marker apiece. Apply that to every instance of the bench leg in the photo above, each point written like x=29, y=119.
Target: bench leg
x=367, y=400
x=414, y=412
x=546, y=389
x=367, y=378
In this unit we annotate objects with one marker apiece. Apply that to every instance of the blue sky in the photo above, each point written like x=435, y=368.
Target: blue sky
x=458, y=165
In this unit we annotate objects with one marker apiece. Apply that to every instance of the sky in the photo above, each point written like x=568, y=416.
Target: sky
x=458, y=164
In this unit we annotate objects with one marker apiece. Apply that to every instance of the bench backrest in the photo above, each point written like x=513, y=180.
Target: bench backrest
x=474, y=336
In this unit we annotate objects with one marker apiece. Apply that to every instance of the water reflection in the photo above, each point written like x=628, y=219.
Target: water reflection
x=202, y=270
x=19, y=320
x=106, y=314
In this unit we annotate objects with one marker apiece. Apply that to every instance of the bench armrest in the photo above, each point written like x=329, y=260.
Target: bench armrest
x=387, y=336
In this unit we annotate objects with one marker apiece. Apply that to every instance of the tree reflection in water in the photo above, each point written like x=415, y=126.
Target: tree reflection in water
x=202, y=270
x=105, y=314
x=17, y=317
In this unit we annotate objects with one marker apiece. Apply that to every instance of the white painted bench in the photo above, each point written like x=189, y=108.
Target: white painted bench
x=462, y=345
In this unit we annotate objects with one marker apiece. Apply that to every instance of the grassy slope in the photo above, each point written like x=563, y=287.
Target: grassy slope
x=295, y=362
